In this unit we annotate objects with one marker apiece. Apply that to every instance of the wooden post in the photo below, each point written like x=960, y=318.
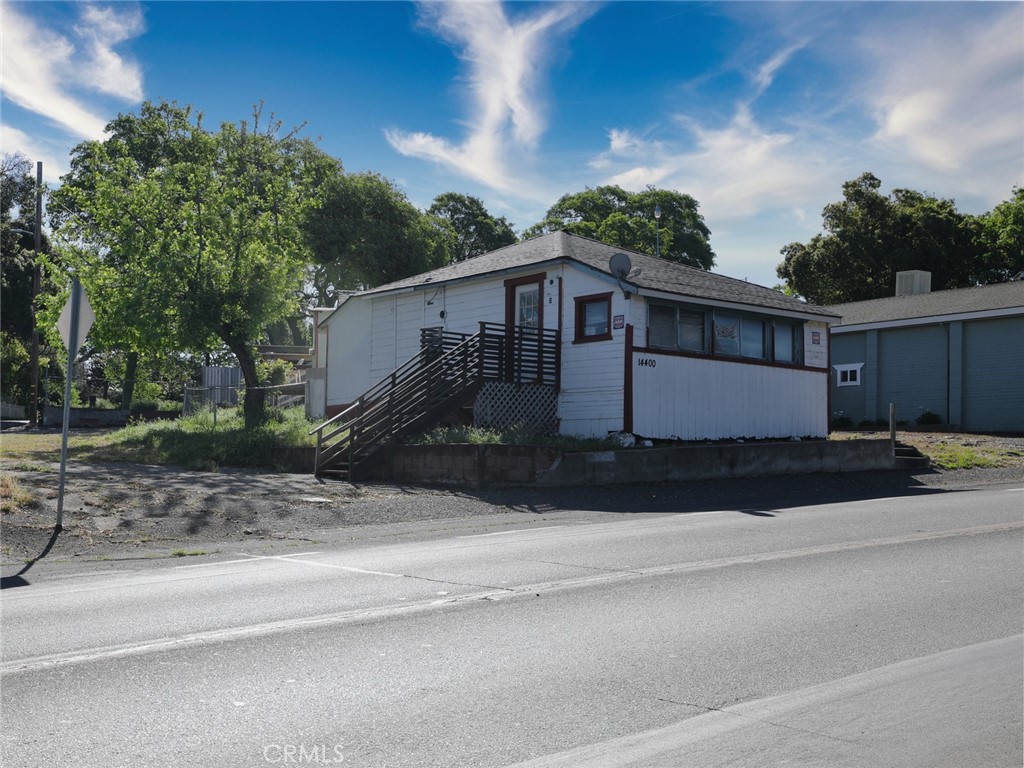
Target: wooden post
x=892, y=423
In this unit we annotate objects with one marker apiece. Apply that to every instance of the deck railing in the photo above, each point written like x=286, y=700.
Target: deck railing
x=444, y=374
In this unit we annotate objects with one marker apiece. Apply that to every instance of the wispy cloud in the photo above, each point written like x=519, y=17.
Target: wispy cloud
x=45, y=71
x=735, y=169
x=504, y=60
x=951, y=92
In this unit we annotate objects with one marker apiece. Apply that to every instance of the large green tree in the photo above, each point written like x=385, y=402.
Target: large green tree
x=869, y=237
x=367, y=233
x=473, y=229
x=1000, y=237
x=626, y=219
x=17, y=244
x=185, y=237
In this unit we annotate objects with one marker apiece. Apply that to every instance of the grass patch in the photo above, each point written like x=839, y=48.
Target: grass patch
x=957, y=456
x=517, y=435
x=13, y=497
x=191, y=441
x=190, y=553
x=195, y=442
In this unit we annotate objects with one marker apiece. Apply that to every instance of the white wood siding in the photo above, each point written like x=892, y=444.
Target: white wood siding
x=591, y=402
x=816, y=344
x=694, y=399
x=383, y=333
x=348, y=349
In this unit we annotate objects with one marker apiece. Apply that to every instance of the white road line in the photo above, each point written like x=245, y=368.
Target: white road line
x=698, y=514
x=294, y=559
x=353, y=569
x=246, y=559
x=506, y=533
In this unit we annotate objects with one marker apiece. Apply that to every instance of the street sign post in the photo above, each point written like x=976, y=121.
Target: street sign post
x=75, y=321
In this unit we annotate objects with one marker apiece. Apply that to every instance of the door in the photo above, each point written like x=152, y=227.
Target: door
x=524, y=317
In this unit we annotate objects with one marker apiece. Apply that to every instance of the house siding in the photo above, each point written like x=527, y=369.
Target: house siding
x=912, y=372
x=849, y=402
x=689, y=398
x=993, y=382
x=968, y=372
x=347, y=349
x=591, y=402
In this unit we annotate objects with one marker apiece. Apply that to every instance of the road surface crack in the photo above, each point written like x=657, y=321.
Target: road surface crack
x=757, y=720
x=587, y=567
x=456, y=583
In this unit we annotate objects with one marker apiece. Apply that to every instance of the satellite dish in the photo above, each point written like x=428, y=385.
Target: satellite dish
x=620, y=265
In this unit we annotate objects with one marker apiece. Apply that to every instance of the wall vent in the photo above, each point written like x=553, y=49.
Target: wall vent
x=913, y=282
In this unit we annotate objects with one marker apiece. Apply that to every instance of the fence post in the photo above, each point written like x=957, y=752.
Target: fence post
x=892, y=423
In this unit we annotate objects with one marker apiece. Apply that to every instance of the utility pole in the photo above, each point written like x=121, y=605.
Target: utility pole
x=34, y=362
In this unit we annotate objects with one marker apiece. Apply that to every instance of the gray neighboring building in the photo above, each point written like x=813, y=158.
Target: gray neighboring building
x=958, y=354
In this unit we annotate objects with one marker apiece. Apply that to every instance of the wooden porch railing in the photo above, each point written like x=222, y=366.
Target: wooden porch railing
x=447, y=371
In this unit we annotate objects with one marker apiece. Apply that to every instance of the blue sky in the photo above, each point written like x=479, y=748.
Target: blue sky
x=759, y=110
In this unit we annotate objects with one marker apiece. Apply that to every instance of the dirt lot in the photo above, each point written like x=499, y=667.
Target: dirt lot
x=126, y=511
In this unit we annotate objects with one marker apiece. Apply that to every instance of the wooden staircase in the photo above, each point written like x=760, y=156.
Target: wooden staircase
x=444, y=376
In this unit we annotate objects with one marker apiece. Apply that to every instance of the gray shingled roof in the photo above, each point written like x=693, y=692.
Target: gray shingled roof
x=952, y=302
x=648, y=272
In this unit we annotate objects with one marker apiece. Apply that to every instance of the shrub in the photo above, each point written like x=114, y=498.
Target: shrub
x=928, y=419
x=518, y=434
x=842, y=423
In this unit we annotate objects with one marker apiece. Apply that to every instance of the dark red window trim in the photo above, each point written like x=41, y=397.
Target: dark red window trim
x=510, y=291
x=580, y=314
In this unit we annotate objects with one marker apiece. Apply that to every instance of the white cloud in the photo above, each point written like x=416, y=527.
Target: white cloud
x=43, y=70
x=504, y=61
x=54, y=159
x=948, y=94
x=766, y=72
x=101, y=29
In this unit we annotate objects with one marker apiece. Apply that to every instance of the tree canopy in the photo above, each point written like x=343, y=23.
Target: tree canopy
x=626, y=219
x=869, y=237
x=366, y=233
x=185, y=237
x=474, y=231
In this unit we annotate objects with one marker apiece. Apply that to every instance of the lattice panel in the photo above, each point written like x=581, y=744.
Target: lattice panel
x=500, y=404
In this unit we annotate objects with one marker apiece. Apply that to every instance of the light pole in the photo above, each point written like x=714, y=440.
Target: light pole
x=657, y=232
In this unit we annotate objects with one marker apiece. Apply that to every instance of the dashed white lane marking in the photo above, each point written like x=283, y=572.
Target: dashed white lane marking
x=506, y=533
x=246, y=559
x=294, y=558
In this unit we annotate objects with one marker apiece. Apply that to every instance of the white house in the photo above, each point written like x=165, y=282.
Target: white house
x=597, y=340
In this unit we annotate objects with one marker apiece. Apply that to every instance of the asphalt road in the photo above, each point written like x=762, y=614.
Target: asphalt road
x=885, y=632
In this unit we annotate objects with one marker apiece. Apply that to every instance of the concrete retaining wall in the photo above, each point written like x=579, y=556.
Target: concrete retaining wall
x=709, y=462
x=472, y=465
x=495, y=465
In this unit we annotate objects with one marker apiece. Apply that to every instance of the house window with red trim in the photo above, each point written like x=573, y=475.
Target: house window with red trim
x=593, y=317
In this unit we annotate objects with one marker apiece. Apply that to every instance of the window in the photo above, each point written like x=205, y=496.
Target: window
x=730, y=334
x=848, y=375
x=741, y=335
x=594, y=317
x=528, y=302
x=672, y=327
x=787, y=342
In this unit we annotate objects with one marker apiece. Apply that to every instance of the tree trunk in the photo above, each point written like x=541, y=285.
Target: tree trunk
x=295, y=325
x=255, y=398
x=131, y=370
